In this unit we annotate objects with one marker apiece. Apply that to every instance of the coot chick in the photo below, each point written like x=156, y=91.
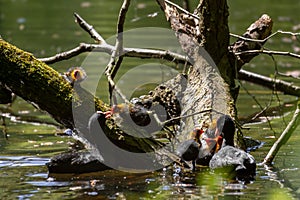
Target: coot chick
x=130, y=113
x=75, y=75
x=208, y=148
x=188, y=150
x=133, y=119
x=211, y=142
x=236, y=161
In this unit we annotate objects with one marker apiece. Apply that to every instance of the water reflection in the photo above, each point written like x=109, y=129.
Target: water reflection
x=170, y=182
x=22, y=161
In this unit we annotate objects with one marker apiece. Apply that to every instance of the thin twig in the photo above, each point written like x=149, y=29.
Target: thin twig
x=267, y=38
x=119, y=41
x=288, y=75
x=275, y=91
x=117, y=52
x=263, y=51
x=89, y=28
x=260, y=106
x=288, y=33
x=127, y=52
x=181, y=9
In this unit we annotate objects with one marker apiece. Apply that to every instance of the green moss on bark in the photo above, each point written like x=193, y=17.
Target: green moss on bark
x=38, y=83
x=44, y=87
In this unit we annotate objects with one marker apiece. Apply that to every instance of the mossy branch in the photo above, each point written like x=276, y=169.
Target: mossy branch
x=42, y=86
x=28, y=78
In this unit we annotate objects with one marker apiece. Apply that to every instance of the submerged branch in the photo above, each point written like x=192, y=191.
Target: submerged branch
x=293, y=124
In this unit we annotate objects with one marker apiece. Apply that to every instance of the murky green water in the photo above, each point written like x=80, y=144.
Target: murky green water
x=47, y=27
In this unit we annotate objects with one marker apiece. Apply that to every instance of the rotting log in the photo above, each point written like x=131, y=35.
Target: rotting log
x=207, y=88
x=211, y=84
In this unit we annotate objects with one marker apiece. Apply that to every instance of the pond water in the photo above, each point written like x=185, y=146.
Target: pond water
x=45, y=28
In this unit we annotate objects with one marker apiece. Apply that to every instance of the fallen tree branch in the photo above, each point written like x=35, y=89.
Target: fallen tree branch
x=147, y=53
x=195, y=78
x=31, y=79
x=150, y=53
x=274, y=84
x=203, y=81
x=107, y=48
x=293, y=124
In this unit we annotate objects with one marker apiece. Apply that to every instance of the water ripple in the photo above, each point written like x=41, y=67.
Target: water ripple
x=22, y=161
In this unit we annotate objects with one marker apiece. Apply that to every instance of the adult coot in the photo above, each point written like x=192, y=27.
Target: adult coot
x=229, y=158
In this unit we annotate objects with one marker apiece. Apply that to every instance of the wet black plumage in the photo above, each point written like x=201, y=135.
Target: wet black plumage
x=188, y=150
x=236, y=161
x=226, y=124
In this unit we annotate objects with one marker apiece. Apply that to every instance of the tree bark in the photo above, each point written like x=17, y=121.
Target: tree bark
x=207, y=88
x=28, y=78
